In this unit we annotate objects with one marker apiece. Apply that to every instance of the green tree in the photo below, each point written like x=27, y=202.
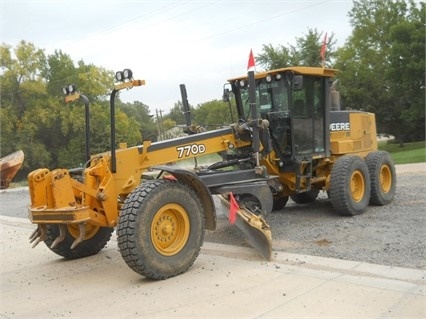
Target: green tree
x=176, y=113
x=383, y=65
x=212, y=114
x=145, y=120
x=306, y=52
x=35, y=118
x=23, y=99
x=60, y=72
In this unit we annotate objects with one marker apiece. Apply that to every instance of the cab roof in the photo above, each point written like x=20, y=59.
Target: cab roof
x=300, y=70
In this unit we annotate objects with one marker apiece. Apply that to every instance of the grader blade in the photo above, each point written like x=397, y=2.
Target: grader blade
x=255, y=229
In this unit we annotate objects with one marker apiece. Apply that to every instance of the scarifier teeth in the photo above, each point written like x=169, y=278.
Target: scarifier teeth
x=81, y=236
x=36, y=242
x=60, y=238
x=38, y=235
x=34, y=235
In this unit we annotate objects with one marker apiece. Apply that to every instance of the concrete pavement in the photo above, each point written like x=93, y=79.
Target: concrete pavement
x=224, y=282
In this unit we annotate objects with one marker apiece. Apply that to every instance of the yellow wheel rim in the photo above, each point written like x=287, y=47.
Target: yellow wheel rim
x=385, y=178
x=170, y=229
x=91, y=230
x=357, y=186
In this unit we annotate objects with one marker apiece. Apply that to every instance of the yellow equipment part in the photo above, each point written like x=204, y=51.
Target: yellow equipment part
x=256, y=230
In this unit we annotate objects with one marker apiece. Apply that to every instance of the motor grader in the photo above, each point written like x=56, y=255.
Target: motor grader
x=290, y=139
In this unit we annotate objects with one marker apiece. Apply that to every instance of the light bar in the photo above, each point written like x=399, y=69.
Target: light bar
x=70, y=89
x=125, y=75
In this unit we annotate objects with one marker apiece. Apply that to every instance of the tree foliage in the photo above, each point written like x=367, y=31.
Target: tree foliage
x=35, y=118
x=212, y=114
x=383, y=65
x=306, y=52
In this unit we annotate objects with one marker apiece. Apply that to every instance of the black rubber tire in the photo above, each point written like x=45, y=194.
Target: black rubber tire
x=279, y=202
x=382, y=177
x=305, y=197
x=140, y=229
x=350, y=185
x=91, y=246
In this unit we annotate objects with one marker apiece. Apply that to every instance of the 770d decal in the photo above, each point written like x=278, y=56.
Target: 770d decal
x=192, y=149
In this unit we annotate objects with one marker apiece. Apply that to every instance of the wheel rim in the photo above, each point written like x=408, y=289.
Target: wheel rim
x=357, y=186
x=385, y=178
x=90, y=230
x=170, y=229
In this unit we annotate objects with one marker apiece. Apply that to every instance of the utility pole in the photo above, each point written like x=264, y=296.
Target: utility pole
x=158, y=125
x=161, y=125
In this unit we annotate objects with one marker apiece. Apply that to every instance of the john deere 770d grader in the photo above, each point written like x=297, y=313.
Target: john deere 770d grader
x=290, y=139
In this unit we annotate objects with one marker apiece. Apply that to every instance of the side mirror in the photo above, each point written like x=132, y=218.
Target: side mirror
x=225, y=96
x=298, y=83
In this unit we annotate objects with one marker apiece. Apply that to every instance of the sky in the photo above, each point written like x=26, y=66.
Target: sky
x=167, y=43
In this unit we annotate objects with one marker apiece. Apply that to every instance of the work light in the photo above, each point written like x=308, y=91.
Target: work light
x=72, y=89
x=119, y=76
x=128, y=74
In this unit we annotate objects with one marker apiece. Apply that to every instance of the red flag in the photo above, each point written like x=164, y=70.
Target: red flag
x=251, y=65
x=323, y=48
x=233, y=207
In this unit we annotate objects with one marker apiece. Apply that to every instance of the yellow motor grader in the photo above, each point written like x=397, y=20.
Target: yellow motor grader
x=290, y=139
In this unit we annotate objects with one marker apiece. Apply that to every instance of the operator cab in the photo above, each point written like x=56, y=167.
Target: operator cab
x=295, y=101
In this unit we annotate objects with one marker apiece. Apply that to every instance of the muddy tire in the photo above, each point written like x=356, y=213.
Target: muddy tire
x=350, y=185
x=96, y=239
x=306, y=197
x=382, y=177
x=161, y=229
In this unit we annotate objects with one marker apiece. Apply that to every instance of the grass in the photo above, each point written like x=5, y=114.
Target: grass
x=410, y=153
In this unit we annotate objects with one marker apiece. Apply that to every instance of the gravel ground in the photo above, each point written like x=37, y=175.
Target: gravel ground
x=392, y=235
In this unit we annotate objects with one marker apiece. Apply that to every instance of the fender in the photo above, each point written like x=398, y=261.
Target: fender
x=192, y=180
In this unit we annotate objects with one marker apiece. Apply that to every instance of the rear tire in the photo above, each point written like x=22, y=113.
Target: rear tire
x=161, y=229
x=382, y=177
x=96, y=239
x=305, y=197
x=279, y=202
x=350, y=185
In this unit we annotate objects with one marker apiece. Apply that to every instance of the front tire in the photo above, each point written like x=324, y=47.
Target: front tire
x=161, y=229
x=382, y=177
x=350, y=185
x=96, y=239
